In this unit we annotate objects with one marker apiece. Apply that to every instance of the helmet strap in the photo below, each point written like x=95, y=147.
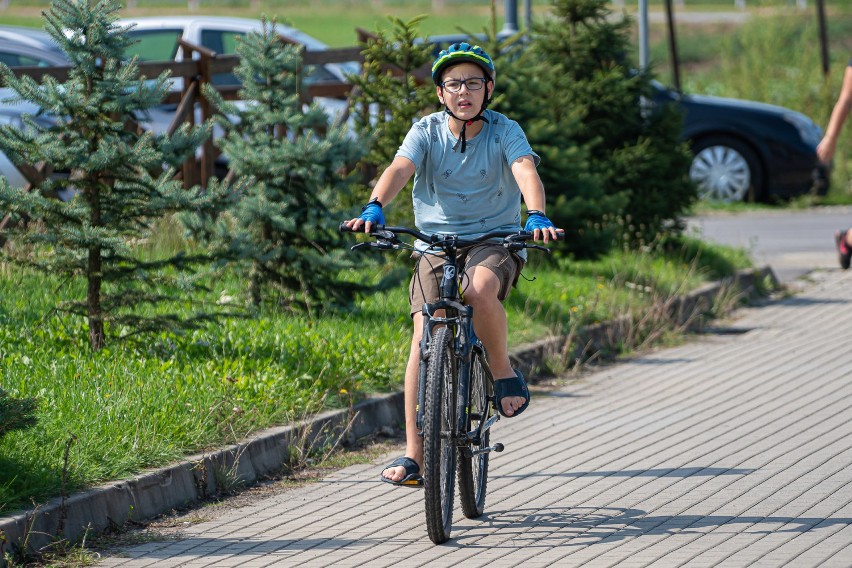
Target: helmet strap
x=462, y=137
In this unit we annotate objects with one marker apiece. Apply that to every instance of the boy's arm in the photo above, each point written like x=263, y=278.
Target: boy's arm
x=390, y=183
x=523, y=169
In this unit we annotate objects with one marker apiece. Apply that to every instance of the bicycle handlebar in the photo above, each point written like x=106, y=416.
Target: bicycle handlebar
x=518, y=237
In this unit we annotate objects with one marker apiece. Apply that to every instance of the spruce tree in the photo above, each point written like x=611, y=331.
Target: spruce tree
x=285, y=226
x=594, y=91
x=116, y=175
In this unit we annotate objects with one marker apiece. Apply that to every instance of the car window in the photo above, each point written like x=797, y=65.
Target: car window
x=18, y=60
x=220, y=41
x=224, y=42
x=154, y=45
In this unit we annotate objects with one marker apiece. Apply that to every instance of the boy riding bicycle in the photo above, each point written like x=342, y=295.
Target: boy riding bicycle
x=471, y=167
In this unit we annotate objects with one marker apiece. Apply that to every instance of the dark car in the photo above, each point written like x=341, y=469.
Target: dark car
x=745, y=150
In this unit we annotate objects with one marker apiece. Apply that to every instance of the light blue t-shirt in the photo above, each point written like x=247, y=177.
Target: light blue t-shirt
x=467, y=194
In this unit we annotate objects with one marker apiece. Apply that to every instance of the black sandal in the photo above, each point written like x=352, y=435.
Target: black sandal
x=511, y=386
x=412, y=473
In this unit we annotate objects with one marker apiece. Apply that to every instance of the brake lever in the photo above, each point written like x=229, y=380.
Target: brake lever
x=385, y=244
x=539, y=247
x=360, y=245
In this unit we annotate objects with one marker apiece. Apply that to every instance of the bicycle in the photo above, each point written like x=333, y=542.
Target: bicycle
x=455, y=401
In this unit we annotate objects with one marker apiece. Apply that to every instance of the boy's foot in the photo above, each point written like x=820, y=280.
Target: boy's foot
x=403, y=471
x=511, y=395
x=844, y=250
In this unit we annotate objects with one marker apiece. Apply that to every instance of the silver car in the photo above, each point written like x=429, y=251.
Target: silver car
x=23, y=47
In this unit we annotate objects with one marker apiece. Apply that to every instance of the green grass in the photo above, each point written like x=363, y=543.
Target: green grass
x=145, y=404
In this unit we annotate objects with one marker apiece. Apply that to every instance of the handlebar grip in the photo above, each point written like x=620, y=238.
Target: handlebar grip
x=560, y=235
x=344, y=229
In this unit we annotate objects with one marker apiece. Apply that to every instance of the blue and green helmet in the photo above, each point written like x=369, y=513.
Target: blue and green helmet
x=462, y=53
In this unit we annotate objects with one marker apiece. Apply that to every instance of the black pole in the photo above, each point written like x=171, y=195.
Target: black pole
x=823, y=35
x=673, y=46
x=511, y=23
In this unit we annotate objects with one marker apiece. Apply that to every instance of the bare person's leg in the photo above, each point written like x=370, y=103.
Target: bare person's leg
x=413, y=442
x=489, y=322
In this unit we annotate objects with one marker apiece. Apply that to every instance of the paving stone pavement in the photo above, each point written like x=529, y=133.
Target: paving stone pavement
x=734, y=449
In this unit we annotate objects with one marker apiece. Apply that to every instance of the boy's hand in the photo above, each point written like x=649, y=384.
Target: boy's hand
x=371, y=214
x=541, y=227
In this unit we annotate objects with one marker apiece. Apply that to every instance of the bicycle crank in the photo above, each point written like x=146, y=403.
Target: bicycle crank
x=468, y=453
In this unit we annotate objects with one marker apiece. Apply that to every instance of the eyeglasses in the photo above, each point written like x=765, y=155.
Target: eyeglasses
x=473, y=84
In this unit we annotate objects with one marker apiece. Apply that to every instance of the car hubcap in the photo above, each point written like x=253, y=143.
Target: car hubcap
x=722, y=174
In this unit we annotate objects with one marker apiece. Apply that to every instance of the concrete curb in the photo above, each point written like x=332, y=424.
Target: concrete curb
x=197, y=477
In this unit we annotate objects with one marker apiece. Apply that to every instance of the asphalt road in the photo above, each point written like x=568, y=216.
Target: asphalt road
x=792, y=242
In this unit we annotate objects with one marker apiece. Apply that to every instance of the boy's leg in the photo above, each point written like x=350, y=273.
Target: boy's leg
x=490, y=324
x=413, y=442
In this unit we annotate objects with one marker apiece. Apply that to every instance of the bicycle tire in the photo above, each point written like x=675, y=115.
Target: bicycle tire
x=439, y=451
x=473, y=471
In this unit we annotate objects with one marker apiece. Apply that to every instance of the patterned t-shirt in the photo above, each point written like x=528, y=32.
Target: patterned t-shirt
x=468, y=193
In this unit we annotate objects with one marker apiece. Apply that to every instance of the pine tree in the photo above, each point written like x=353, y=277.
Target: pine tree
x=116, y=175
x=286, y=226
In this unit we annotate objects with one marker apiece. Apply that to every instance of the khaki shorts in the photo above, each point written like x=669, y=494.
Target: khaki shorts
x=426, y=282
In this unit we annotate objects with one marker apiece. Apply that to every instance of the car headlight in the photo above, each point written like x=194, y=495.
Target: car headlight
x=809, y=131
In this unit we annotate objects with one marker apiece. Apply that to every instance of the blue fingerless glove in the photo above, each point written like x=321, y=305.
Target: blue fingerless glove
x=373, y=213
x=537, y=220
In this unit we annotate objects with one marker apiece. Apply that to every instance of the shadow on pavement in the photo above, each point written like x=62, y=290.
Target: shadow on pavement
x=805, y=301
x=662, y=472
x=581, y=526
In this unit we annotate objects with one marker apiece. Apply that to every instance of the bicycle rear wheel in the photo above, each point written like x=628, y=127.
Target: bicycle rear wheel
x=439, y=452
x=473, y=471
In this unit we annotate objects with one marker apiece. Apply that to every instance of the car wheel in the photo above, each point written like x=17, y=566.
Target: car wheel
x=726, y=169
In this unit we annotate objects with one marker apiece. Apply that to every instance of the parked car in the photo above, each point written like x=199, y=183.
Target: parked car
x=16, y=54
x=32, y=37
x=745, y=149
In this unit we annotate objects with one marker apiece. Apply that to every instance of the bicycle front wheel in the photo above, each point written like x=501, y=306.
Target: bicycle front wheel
x=439, y=452
x=473, y=471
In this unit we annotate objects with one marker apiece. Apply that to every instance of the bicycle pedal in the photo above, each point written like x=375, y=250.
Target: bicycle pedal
x=468, y=453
